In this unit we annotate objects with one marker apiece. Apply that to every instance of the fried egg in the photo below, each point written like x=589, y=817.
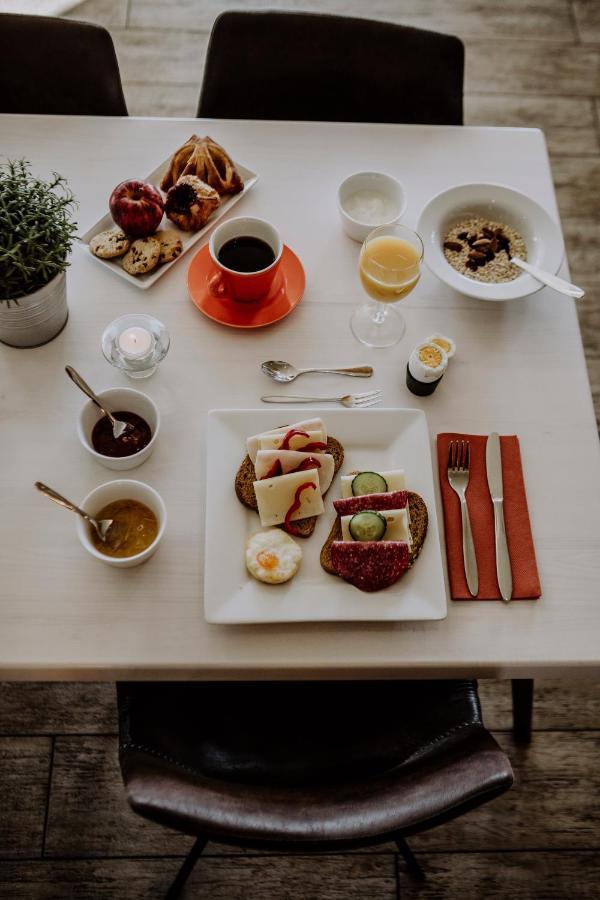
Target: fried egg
x=272, y=556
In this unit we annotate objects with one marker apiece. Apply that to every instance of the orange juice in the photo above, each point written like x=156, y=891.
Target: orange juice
x=389, y=268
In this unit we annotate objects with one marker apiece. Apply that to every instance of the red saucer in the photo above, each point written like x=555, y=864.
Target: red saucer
x=285, y=294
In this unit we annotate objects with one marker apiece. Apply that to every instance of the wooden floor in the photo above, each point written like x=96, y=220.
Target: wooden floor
x=65, y=830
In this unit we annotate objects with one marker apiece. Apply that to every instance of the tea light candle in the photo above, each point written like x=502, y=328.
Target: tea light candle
x=135, y=343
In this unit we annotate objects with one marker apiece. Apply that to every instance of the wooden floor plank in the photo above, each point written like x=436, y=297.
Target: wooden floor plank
x=347, y=877
x=57, y=708
x=151, y=56
x=557, y=704
x=162, y=99
x=88, y=814
x=569, y=123
x=577, y=185
x=24, y=772
x=108, y=13
x=532, y=67
x=505, y=876
x=557, y=784
x=510, y=19
x=90, y=708
x=582, y=240
x=553, y=804
x=587, y=18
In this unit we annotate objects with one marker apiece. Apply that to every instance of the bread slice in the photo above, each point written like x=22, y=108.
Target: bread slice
x=419, y=520
x=246, y=476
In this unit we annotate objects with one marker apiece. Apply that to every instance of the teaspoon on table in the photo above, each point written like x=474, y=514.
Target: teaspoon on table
x=102, y=527
x=553, y=281
x=284, y=372
x=118, y=426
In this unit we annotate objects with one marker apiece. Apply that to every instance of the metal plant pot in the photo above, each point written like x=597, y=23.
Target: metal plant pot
x=37, y=318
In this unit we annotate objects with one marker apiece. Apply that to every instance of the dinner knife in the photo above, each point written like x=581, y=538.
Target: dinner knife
x=493, y=463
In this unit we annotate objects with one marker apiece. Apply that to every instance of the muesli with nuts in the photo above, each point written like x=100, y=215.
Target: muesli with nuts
x=482, y=250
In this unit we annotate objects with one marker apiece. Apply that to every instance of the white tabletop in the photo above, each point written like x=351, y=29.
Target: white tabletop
x=519, y=369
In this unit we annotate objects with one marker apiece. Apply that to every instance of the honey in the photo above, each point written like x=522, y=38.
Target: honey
x=134, y=529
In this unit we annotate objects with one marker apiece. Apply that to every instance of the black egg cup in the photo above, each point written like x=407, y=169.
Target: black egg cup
x=421, y=388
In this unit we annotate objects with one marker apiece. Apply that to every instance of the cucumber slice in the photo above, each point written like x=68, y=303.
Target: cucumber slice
x=367, y=525
x=368, y=483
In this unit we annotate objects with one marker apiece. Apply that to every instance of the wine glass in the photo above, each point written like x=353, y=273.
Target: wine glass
x=389, y=268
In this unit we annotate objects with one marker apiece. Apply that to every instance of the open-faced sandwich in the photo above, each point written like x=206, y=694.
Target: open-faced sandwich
x=286, y=473
x=379, y=530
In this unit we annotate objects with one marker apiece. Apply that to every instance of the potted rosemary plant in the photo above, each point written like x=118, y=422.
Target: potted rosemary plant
x=36, y=236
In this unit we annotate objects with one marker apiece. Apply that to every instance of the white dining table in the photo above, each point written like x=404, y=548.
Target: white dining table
x=519, y=369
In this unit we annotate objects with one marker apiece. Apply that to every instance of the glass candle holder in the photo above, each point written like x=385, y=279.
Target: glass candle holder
x=136, y=344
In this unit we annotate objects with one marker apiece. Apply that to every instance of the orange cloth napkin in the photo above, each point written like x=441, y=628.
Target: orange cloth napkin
x=526, y=582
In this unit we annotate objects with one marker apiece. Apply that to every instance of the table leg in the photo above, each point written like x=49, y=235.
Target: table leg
x=522, y=700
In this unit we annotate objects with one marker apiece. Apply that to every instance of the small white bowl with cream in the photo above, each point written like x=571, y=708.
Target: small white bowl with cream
x=367, y=200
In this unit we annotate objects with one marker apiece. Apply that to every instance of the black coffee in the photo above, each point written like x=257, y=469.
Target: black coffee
x=246, y=254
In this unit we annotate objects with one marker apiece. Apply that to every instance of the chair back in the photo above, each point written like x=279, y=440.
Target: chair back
x=314, y=67
x=58, y=67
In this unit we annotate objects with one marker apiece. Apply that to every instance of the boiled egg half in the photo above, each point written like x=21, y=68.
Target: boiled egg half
x=272, y=556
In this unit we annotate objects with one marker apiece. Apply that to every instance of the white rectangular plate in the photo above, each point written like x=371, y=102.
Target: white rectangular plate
x=188, y=238
x=373, y=439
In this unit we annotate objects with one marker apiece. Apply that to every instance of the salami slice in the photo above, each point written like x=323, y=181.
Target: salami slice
x=351, y=505
x=370, y=565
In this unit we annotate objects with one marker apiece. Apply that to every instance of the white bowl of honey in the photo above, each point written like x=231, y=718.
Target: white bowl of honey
x=139, y=519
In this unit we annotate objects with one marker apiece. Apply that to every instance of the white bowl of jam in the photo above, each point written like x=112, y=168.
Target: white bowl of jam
x=139, y=519
x=136, y=445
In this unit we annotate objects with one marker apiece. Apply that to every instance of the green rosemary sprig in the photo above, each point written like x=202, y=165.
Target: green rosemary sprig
x=36, y=231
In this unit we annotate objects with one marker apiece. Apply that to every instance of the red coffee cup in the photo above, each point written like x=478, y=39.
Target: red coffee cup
x=244, y=285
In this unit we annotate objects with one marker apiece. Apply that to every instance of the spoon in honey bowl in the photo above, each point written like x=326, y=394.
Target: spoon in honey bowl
x=118, y=426
x=102, y=527
x=284, y=372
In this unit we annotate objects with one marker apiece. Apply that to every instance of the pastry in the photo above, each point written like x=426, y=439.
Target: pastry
x=190, y=203
x=207, y=160
x=170, y=245
x=109, y=244
x=142, y=256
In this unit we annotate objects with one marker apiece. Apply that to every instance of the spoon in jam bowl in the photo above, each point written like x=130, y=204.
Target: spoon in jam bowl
x=284, y=372
x=118, y=426
x=103, y=527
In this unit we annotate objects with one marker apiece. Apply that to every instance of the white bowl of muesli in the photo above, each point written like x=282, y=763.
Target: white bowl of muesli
x=471, y=231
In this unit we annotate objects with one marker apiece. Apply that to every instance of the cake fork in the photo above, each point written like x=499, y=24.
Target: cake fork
x=459, y=455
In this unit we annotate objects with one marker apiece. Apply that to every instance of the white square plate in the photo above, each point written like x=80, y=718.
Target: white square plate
x=188, y=238
x=372, y=438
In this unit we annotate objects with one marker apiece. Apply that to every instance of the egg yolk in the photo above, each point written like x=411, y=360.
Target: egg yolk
x=267, y=560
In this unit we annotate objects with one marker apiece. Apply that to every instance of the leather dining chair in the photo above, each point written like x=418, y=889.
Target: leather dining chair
x=316, y=67
x=305, y=766
x=57, y=66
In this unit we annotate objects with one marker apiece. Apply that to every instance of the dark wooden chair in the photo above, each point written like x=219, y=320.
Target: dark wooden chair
x=313, y=67
x=306, y=766
x=58, y=67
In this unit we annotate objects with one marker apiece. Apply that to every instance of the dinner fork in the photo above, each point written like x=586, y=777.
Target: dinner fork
x=459, y=455
x=356, y=401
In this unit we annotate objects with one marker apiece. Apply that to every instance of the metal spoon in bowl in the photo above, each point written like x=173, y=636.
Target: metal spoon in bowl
x=284, y=372
x=118, y=426
x=553, y=281
x=102, y=527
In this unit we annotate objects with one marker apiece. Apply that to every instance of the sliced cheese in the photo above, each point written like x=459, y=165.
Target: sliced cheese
x=394, y=478
x=297, y=442
x=252, y=443
x=397, y=525
x=276, y=495
x=291, y=459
